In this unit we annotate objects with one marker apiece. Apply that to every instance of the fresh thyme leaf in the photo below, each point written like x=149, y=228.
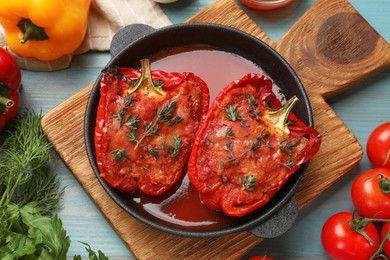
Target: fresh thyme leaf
x=232, y=113
x=289, y=164
x=222, y=165
x=254, y=146
x=286, y=146
x=256, y=114
x=120, y=154
x=262, y=138
x=154, y=153
x=119, y=115
x=127, y=103
x=252, y=102
x=165, y=113
x=177, y=145
x=252, y=107
x=229, y=133
x=229, y=148
x=132, y=136
x=249, y=182
x=212, y=140
x=245, y=124
x=259, y=142
x=132, y=122
x=175, y=120
x=159, y=82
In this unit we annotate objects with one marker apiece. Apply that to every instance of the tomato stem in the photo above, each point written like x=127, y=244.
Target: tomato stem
x=378, y=252
x=384, y=183
x=359, y=224
x=145, y=82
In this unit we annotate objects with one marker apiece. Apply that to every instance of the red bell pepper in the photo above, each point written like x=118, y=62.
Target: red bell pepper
x=248, y=146
x=10, y=78
x=145, y=127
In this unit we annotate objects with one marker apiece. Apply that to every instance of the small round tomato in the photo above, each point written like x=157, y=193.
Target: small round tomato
x=378, y=146
x=370, y=193
x=258, y=257
x=341, y=239
x=385, y=232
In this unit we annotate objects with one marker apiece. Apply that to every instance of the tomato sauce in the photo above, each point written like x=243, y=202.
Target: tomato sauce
x=181, y=205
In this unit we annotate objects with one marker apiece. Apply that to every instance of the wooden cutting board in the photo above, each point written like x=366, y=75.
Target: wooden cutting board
x=324, y=47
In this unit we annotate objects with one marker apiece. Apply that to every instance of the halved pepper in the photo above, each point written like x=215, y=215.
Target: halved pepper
x=146, y=125
x=248, y=146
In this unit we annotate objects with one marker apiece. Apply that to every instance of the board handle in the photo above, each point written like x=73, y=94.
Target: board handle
x=332, y=48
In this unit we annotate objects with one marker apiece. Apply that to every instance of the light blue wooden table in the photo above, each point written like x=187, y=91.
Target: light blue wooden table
x=362, y=110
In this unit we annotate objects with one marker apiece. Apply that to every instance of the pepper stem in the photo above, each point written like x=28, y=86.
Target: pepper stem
x=31, y=32
x=279, y=117
x=145, y=82
x=6, y=102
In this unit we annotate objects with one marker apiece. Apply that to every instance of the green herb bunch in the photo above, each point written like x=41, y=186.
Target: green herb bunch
x=30, y=195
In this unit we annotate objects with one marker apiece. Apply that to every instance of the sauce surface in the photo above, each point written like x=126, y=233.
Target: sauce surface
x=181, y=205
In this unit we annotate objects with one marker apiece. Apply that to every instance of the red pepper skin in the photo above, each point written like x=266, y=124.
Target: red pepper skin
x=139, y=169
x=237, y=166
x=10, y=79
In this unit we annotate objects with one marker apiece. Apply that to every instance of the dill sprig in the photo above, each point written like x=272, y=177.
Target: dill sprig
x=25, y=173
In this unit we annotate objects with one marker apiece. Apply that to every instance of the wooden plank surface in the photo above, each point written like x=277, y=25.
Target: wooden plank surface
x=339, y=153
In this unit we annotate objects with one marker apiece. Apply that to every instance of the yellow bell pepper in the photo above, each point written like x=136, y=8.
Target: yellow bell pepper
x=44, y=29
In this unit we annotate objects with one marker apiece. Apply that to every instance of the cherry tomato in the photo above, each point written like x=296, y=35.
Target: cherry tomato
x=342, y=242
x=378, y=146
x=370, y=193
x=386, y=232
x=260, y=257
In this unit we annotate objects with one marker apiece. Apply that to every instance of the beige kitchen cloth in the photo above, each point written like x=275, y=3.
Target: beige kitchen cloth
x=106, y=17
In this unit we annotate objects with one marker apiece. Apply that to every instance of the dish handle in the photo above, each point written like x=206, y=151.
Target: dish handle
x=127, y=35
x=279, y=223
